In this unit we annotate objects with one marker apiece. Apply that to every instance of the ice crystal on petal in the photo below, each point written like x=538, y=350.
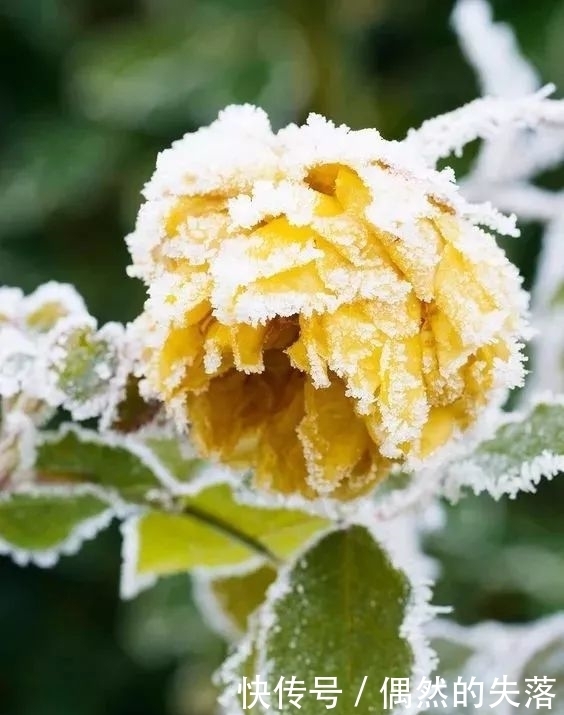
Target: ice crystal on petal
x=314, y=283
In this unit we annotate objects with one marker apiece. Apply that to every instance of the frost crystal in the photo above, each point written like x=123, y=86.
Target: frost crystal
x=519, y=651
x=507, y=164
x=52, y=355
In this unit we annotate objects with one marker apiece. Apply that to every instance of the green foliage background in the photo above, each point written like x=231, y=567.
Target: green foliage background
x=90, y=91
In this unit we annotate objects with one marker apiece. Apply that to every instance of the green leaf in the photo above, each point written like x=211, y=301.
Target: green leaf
x=176, y=456
x=126, y=463
x=214, y=530
x=339, y=611
x=279, y=531
x=229, y=601
x=81, y=456
x=40, y=525
x=522, y=451
x=159, y=544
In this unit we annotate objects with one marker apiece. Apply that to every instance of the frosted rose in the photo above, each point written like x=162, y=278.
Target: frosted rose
x=321, y=305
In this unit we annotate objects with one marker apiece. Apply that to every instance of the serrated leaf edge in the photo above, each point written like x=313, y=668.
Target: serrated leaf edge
x=86, y=530
x=207, y=475
x=131, y=582
x=468, y=474
x=418, y=613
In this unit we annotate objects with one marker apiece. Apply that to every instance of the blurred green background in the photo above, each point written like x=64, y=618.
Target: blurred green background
x=91, y=90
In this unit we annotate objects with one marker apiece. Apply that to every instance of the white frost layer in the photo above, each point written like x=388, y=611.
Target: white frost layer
x=505, y=164
x=517, y=651
x=131, y=581
x=500, y=474
x=492, y=50
x=484, y=118
x=81, y=532
x=417, y=613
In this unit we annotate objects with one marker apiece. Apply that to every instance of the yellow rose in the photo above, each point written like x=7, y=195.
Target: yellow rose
x=321, y=305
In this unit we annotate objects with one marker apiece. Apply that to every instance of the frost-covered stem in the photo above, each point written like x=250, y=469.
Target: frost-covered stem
x=483, y=119
x=492, y=50
x=530, y=203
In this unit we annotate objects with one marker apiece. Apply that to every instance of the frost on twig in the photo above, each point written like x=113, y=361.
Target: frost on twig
x=523, y=132
x=484, y=118
x=505, y=170
x=492, y=50
x=548, y=311
x=504, y=166
x=521, y=652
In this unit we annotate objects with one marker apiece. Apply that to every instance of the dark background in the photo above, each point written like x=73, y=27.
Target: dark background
x=91, y=90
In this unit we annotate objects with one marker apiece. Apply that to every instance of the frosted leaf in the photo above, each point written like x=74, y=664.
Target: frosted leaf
x=524, y=448
x=50, y=303
x=10, y=300
x=212, y=529
x=18, y=356
x=321, y=615
x=124, y=463
x=85, y=366
x=40, y=524
x=228, y=602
